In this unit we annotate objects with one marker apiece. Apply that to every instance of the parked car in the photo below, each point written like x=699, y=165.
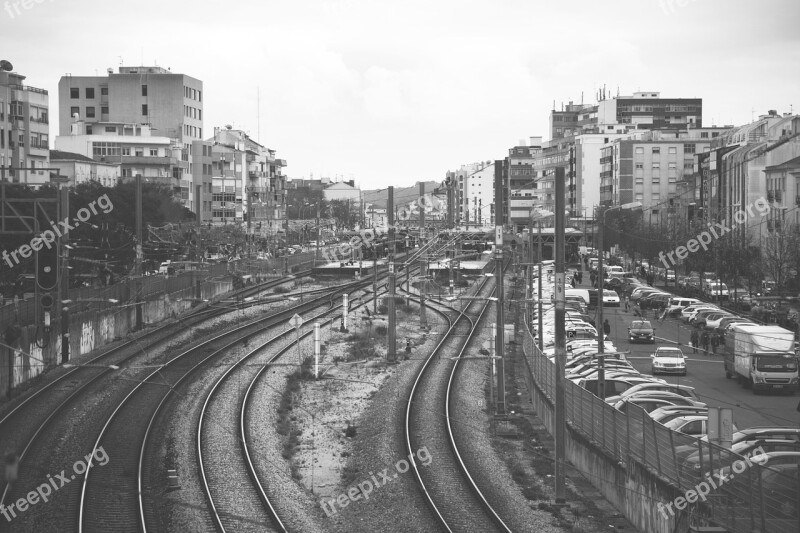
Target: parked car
x=714, y=320
x=664, y=414
x=683, y=390
x=694, y=425
x=668, y=360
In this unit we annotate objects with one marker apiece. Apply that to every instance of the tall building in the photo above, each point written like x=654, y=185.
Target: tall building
x=24, y=131
x=621, y=114
x=648, y=166
x=171, y=104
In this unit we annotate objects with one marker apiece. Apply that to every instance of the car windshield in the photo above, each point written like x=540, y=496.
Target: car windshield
x=776, y=363
x=641, y=324
x=669, y=352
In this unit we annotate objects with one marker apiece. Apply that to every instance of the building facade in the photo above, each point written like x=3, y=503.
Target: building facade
x=81, y=169
x=24, y=131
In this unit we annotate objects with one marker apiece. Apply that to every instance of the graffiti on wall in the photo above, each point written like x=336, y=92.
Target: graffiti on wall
x=87, y=337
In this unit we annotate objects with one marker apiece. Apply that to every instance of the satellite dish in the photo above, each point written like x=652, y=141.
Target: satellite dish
x=6, y=65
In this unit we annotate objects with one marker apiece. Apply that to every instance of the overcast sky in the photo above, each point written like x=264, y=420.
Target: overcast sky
x=389, y=92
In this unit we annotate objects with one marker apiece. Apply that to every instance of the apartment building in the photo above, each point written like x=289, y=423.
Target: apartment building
x=647, y=167
x=247, y=181
x=169, y=104
x=757, y=162
x=644, y=110
x=24, y=131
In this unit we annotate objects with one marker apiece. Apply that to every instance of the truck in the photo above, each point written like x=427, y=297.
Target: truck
x=761, y=357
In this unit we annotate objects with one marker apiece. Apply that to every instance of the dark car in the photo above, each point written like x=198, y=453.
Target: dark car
x=641, y=331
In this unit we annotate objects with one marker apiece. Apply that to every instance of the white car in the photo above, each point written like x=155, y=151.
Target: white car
x=610, y=298
x=694, y=425
x=683, y=390
x=688, y=312
x=668, y=360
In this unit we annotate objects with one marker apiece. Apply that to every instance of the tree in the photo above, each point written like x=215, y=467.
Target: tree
x=777, y=256
x=301, y=203
x=345, y=212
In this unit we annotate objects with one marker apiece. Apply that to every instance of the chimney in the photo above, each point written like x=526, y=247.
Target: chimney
x=773, y=112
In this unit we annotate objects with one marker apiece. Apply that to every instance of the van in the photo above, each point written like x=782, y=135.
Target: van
x=676, y=305
x=583, y=293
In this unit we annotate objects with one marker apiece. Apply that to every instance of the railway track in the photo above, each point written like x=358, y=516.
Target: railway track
x=46, y=442
x=112, y=499
x=234, y=489
x=448, y=487
x=21, y=425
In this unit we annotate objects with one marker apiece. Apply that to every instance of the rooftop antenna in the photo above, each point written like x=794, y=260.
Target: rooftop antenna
x=258, y=110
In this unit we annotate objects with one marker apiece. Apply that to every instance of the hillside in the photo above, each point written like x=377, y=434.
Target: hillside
x=402, y=195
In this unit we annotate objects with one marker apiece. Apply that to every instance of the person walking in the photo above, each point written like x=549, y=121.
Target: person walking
x=606, y=327
x=714, y=342
x=627, y=303
x=695, y=339
x=705, y=340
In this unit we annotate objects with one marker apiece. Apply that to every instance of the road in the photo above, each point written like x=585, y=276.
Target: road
x=705, y=373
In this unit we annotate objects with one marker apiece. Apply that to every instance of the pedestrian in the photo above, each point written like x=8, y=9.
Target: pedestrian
x=714, y=342
x=663, y=314
x=408, y=349
x=627, y=303
x=695, y=340
x=572, y=282
x=592, y=278
x=705, y=340
x=606, y=327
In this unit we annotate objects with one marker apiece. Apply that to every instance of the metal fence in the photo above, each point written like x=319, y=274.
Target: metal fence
x=24, y=312
x=738, y=494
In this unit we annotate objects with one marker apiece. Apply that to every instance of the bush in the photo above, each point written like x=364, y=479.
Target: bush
x=381, y=330
x=408, y=309
x=383, y=309
x=283, y=289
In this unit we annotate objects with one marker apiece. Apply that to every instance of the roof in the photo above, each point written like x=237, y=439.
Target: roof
x=341, y=186
x=69, y=156
x=792, y=164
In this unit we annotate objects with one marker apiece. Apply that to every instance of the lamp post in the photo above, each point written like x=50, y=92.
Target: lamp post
x=601, y=365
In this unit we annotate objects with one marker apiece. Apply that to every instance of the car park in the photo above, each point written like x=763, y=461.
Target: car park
x=676, y=305
x=668, y=360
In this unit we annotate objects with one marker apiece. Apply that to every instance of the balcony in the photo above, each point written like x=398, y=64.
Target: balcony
x=255, y=174
x=606, y=188
x=771, y=196
x=779, y=196
x=138, y=160
x=280, y=162
x=40, y=120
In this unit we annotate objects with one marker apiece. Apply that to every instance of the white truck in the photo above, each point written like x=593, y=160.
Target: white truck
x=761, y=357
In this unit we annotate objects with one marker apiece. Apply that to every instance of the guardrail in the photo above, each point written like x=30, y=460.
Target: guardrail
x=752, y=498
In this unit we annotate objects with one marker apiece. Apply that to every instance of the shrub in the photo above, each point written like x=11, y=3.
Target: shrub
x=350, y=431
x=383, y=309
x=381, y=330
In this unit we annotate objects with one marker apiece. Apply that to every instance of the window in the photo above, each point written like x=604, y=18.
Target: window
x=688, y=165
x=673, y=149
x=90, y=92
x=639, y=166
x=656, y=165
x=139, y=152
x=90, y=112
x=704, y=135
x=639, y=149
x=153, y=152
x=103, y=91
x=111, y=129
x=144, y=109
x=74, y=93
x=104, y=110
x=127, y=173
x=74, y=111
x=656, y=196
x=144, y=90
x=199, y=114
x=126, y=150
x=673, y=165
x=656, y=150
x=88, y=130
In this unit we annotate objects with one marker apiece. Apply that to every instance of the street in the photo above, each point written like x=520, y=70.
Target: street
x=705, y=373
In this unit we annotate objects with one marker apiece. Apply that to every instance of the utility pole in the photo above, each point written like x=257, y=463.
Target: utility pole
x=391, y=350
x=541, y=320
x=319, y=236
x=423, y=320
x=64, y=292
x=249, y=219
x=601, y=358
x=561, y=339
x=198, y=293
x=498, y=273
x=138, y=271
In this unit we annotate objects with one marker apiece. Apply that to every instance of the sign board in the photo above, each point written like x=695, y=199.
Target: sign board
x=498, y=235
x=391, y=268
x=296, y=321
x=560, y=296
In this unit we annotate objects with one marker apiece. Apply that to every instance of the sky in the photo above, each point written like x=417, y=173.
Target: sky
x=391, y=93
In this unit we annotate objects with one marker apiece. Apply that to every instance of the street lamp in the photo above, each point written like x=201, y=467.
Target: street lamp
x=601, y=367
